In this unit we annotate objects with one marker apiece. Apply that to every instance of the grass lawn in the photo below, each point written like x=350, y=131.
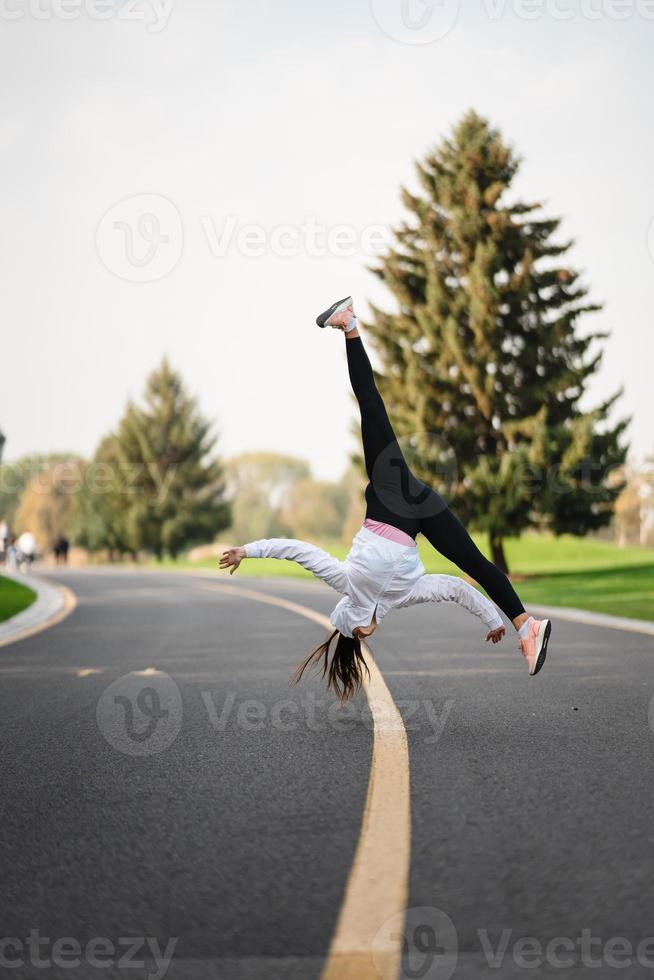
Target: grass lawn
x=14, y=597
x=565, y=571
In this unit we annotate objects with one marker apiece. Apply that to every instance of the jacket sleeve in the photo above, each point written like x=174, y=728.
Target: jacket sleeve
x=323, y=565
x=449, y=588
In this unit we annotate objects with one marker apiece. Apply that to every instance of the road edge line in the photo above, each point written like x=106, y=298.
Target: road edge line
x=68, y=604
x=589, y=618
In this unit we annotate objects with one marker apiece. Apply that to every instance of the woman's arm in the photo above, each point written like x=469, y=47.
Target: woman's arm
x=448, y=588
x=323, y=565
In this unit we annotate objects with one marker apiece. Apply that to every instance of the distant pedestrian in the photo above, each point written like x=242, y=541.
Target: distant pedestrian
x=61, y=547
x=5, y=539
x=11, y=559
x=26, y=547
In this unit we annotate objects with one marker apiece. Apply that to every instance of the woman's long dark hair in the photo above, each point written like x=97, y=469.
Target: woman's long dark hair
x=345, y=670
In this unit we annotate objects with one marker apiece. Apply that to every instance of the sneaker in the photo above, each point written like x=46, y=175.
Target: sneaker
x=323, y=319
x=534, y=644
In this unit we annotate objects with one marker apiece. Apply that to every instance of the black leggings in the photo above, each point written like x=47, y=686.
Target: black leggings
x=397, y=497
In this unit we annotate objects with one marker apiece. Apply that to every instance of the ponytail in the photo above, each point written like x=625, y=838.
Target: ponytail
x=345, y=672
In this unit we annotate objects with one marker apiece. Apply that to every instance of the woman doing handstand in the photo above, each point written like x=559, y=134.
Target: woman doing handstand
x=383, y=570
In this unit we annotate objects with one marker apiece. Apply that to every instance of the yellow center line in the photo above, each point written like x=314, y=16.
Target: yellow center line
x=377, y=885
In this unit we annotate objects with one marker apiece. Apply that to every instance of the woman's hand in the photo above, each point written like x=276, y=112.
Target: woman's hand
x=496, y=634
x=232, y=558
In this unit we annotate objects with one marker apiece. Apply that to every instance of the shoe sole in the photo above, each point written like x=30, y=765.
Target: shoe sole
x=543, y=649
x=335, y=308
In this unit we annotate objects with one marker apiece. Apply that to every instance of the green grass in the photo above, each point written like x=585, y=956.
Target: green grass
x=620, y=591
x=14, y=597
x=566, y=571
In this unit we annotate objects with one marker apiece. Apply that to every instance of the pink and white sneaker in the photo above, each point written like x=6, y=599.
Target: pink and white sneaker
x=534, y=644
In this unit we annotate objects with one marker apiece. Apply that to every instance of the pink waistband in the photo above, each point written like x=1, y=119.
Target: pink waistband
x=388, y=531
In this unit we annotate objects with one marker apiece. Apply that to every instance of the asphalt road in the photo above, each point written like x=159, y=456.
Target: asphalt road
x=163, y=790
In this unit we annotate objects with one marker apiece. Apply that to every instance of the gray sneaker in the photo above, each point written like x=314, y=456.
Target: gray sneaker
x=338, y=307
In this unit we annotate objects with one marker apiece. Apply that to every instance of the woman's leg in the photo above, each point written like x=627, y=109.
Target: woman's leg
x=393, y=495
x=376, y=430
x=446, y=534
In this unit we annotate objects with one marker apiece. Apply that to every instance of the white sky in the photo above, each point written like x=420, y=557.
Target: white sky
x=269, y=114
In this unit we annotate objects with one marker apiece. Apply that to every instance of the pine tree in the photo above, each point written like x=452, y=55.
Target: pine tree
x=483, y=365
x=102, y=519
x=158, y=488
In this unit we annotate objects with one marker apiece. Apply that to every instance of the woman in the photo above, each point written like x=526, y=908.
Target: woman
x=382, y=570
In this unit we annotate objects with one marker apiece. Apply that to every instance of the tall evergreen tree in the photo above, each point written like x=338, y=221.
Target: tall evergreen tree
x=101, y=519
x=157, y=486
x=483, y=365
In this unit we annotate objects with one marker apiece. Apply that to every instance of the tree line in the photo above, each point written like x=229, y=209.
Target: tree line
x=156, y=485
x=484, y=362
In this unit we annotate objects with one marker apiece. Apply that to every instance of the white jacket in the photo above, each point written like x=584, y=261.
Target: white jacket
x=376, y=576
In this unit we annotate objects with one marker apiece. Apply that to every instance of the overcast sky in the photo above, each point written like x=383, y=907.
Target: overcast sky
x=201, y=179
